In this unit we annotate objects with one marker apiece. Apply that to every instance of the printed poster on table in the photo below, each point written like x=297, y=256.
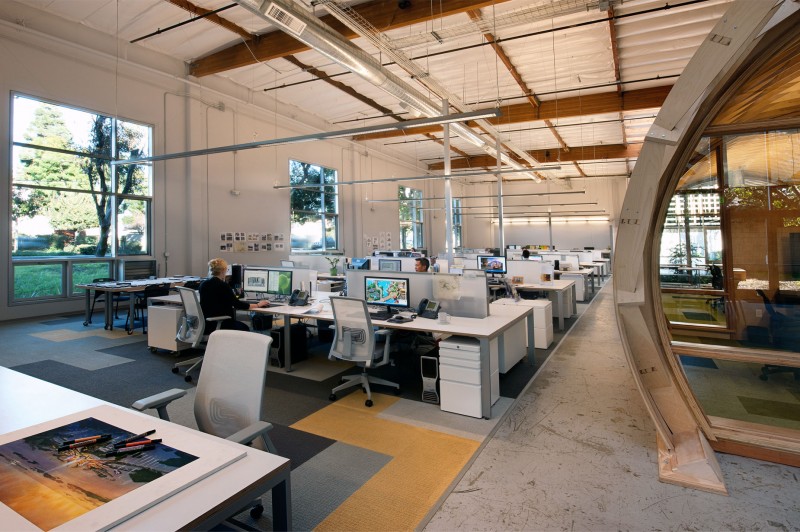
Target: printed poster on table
x=50, y=477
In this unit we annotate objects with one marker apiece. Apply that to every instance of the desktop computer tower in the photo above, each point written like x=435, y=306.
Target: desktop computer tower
x=430, y=379
x=299, y=345
x=235, y=280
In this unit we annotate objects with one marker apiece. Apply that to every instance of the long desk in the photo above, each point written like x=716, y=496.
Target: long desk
x=27, y=401
x=483, y=329
x=560, y=288
x=118, y=287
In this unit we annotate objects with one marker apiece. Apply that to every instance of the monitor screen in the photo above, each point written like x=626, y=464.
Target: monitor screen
x=359, y=264
x=386, y=291
x=389, y=265
x=492, y=264
x=254, y=280
x=280, y=282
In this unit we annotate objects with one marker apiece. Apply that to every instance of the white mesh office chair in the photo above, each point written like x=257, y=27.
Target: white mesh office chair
x=356, y=341
x=230, y=392
x=192, y=329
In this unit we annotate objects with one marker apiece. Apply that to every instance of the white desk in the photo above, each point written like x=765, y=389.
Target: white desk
x=560, y=288
x=27, y=401
x=584, y=275
x=129, y=287
x=484, y=329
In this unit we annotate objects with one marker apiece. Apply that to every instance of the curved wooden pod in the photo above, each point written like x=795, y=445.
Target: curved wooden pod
x=742, y=39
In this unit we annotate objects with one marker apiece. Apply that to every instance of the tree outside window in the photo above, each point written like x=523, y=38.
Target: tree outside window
x=314, y=208
x=66, y=195
x=457, y=224
x=411, y=217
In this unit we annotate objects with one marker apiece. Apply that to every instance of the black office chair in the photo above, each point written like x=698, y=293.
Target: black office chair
x=140, y=305
x=99, y=295
x=784, y=333
x=717, y=283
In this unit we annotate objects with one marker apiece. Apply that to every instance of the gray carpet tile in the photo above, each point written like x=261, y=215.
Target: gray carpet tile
x=324, y=482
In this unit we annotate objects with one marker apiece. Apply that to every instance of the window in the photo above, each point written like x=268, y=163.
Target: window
x=315, y=209
x=457, y=236
x=411, y=219
x=68, y=201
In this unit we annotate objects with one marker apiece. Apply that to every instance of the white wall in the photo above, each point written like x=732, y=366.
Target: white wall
x=193, y=203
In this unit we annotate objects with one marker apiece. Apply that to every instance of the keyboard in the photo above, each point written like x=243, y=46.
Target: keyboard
x=382, y=315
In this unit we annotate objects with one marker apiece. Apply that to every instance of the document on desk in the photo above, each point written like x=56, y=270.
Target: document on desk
x=316, y=309
x=46, y=485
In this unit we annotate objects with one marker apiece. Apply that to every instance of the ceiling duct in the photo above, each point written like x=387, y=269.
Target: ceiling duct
x=309, y=30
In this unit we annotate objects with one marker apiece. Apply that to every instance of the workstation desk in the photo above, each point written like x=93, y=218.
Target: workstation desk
x=26, y=401
x=586, y=274
x=123, y=287
x=563, y=289
x=483, y=329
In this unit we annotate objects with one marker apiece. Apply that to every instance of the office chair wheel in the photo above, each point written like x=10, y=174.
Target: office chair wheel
x=368, y=402
x=175, y=370
x=85, y=323
x=153, y=349
x=332, y=397
x=256, y=511
x=188, y=378
x=105, y=327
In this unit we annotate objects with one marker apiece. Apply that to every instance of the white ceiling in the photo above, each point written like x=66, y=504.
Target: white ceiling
x=567, y=55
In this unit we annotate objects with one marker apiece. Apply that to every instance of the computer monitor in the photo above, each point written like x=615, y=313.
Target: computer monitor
x=287, y=264
x=491, y=264
x=279, y=282
x=390, y=265
x=255, y=280
x=359, y=264
x=386, y=291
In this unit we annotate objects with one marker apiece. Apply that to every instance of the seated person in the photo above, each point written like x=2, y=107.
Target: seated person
x=218, y=299
x=421, y=265
x=526, y=254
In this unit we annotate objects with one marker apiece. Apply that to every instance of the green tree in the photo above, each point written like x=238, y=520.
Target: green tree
x=98, y=171
x=43, y=167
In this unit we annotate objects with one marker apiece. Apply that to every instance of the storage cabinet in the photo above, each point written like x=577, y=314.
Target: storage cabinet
x=460, y=375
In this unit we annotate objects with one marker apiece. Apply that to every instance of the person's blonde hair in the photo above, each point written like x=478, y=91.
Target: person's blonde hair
x=217, y=266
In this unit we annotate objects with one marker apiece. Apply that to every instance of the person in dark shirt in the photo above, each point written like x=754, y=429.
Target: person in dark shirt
x=218, y=299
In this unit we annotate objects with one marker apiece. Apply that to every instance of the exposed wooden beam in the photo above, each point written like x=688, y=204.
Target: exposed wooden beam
x=383, y=14
x=609, y=102
x=576, y=154
x=216, y=19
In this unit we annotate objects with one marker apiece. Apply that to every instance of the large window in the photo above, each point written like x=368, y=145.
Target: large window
x=411, y=219
x=315, y=208
x=68, y=201
x=457, y=224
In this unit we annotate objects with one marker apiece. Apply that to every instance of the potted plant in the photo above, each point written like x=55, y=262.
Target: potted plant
x=334, y=263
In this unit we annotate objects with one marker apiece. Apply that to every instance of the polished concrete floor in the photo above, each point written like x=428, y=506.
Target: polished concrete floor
x=577, y=452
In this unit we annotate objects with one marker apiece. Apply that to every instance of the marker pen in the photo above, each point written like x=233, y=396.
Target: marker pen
x=125, y=450
x=78, y=440
x=137, y=437
x=134, y=443
x=101, y=439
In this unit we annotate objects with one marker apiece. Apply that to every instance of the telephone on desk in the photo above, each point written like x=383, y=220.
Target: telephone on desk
x=428, y=308
x=298, y=298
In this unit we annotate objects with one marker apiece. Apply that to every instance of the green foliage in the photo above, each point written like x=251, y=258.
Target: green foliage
x=307, y=203
x=677, y=255
x=37, y=280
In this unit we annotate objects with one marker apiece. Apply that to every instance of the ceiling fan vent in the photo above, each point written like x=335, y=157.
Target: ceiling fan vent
x=284, y=19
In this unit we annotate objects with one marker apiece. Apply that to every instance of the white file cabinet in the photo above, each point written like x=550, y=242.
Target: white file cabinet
x=460, y=375
x=162, y=327
x=516, y=338
x=580, y=284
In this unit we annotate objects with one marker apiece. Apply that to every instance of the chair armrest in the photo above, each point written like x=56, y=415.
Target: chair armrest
x=383, y=332
x=159, y=401
x=251, y=432
x=218, y=318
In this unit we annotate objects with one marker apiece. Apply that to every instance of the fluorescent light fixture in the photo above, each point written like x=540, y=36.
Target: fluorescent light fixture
x=486, y=196
x=324, y=135
x=511, y=206
x=415, y=178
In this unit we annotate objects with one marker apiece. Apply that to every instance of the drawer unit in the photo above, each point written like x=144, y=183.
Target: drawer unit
x=162, y=327
x=542, y=338
x=460, y=375
x=460, y=398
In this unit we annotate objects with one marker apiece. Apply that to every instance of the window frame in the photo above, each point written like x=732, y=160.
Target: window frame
x=325, y=217
x=415, y=223
x=67, y=263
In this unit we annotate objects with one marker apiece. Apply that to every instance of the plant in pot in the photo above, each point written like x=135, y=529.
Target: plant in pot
x=334, y=263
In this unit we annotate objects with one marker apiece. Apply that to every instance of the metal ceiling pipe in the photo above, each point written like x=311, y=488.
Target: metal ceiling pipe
x=311, y=31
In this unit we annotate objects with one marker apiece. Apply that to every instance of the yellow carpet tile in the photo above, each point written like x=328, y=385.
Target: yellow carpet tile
x=398, y=497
